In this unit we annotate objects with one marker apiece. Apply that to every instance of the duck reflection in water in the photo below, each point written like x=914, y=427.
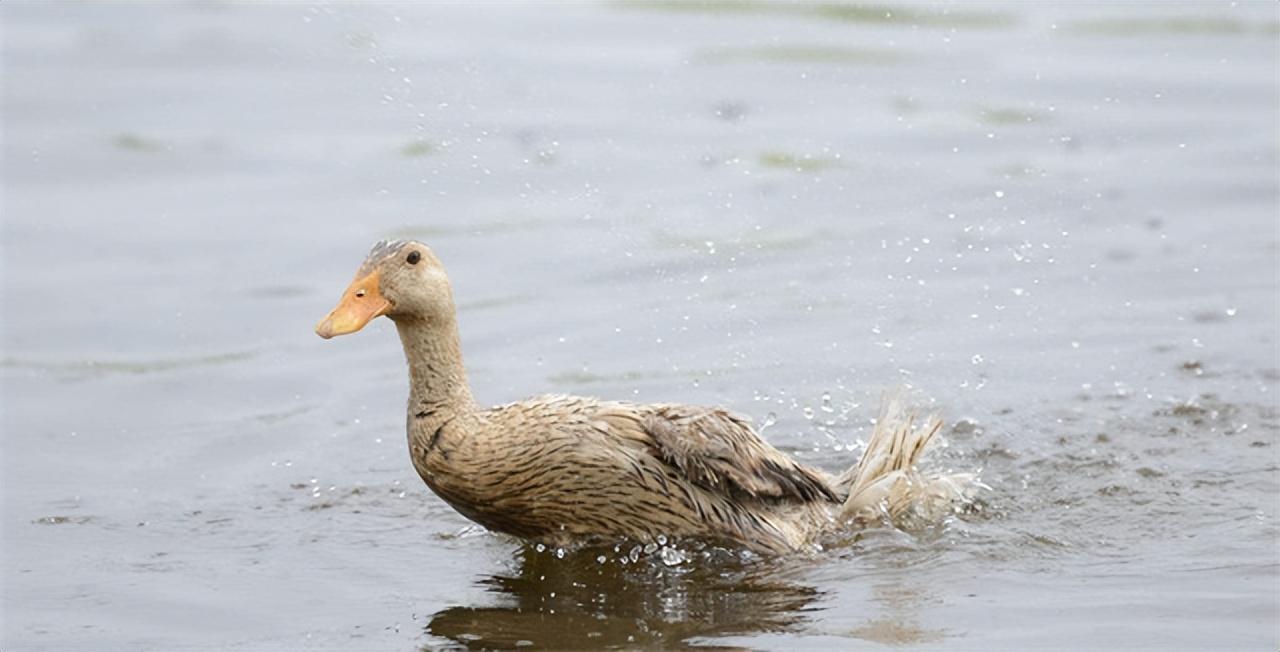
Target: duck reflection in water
x=592, y=598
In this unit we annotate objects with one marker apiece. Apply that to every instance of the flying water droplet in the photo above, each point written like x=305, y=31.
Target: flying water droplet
x=673, y=556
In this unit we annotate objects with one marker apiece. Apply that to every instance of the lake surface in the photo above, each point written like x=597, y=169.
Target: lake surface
x=1058, y=226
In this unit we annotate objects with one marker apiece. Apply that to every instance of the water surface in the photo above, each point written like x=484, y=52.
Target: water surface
x=1057, y=225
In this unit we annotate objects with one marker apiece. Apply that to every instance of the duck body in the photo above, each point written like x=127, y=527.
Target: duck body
x=563, y=470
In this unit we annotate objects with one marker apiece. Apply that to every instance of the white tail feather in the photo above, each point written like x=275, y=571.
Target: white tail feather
x=886, y=482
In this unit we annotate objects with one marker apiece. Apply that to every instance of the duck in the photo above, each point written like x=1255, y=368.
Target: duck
x=567, y=470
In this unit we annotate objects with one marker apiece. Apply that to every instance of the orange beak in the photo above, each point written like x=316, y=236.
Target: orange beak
x=359, y=305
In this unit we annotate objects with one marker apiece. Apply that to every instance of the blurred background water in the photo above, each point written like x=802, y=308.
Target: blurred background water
x=1058, y=224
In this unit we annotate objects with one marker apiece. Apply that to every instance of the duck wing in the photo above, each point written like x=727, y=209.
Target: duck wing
x=719, y=451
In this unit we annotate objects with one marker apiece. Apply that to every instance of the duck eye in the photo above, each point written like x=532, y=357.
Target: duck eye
x=413, y=258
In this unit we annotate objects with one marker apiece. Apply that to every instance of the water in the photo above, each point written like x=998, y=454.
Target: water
x=1058, y=225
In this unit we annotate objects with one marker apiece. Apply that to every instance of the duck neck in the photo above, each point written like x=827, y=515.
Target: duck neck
x=437, y=380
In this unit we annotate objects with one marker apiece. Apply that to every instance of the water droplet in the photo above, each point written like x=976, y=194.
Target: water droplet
x=977, y=358
x=808, y=412
x=673, y=556
x=826, y=402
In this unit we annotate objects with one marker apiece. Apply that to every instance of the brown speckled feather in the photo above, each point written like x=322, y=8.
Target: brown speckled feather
x=718, y=450
x=560, y=468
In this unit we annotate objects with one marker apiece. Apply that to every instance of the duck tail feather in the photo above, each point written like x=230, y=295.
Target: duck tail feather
x=886, y=481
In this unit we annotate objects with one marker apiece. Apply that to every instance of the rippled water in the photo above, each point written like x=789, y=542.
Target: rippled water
x=1058, y=225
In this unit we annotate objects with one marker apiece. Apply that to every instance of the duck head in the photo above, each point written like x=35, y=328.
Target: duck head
x=401, y=279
